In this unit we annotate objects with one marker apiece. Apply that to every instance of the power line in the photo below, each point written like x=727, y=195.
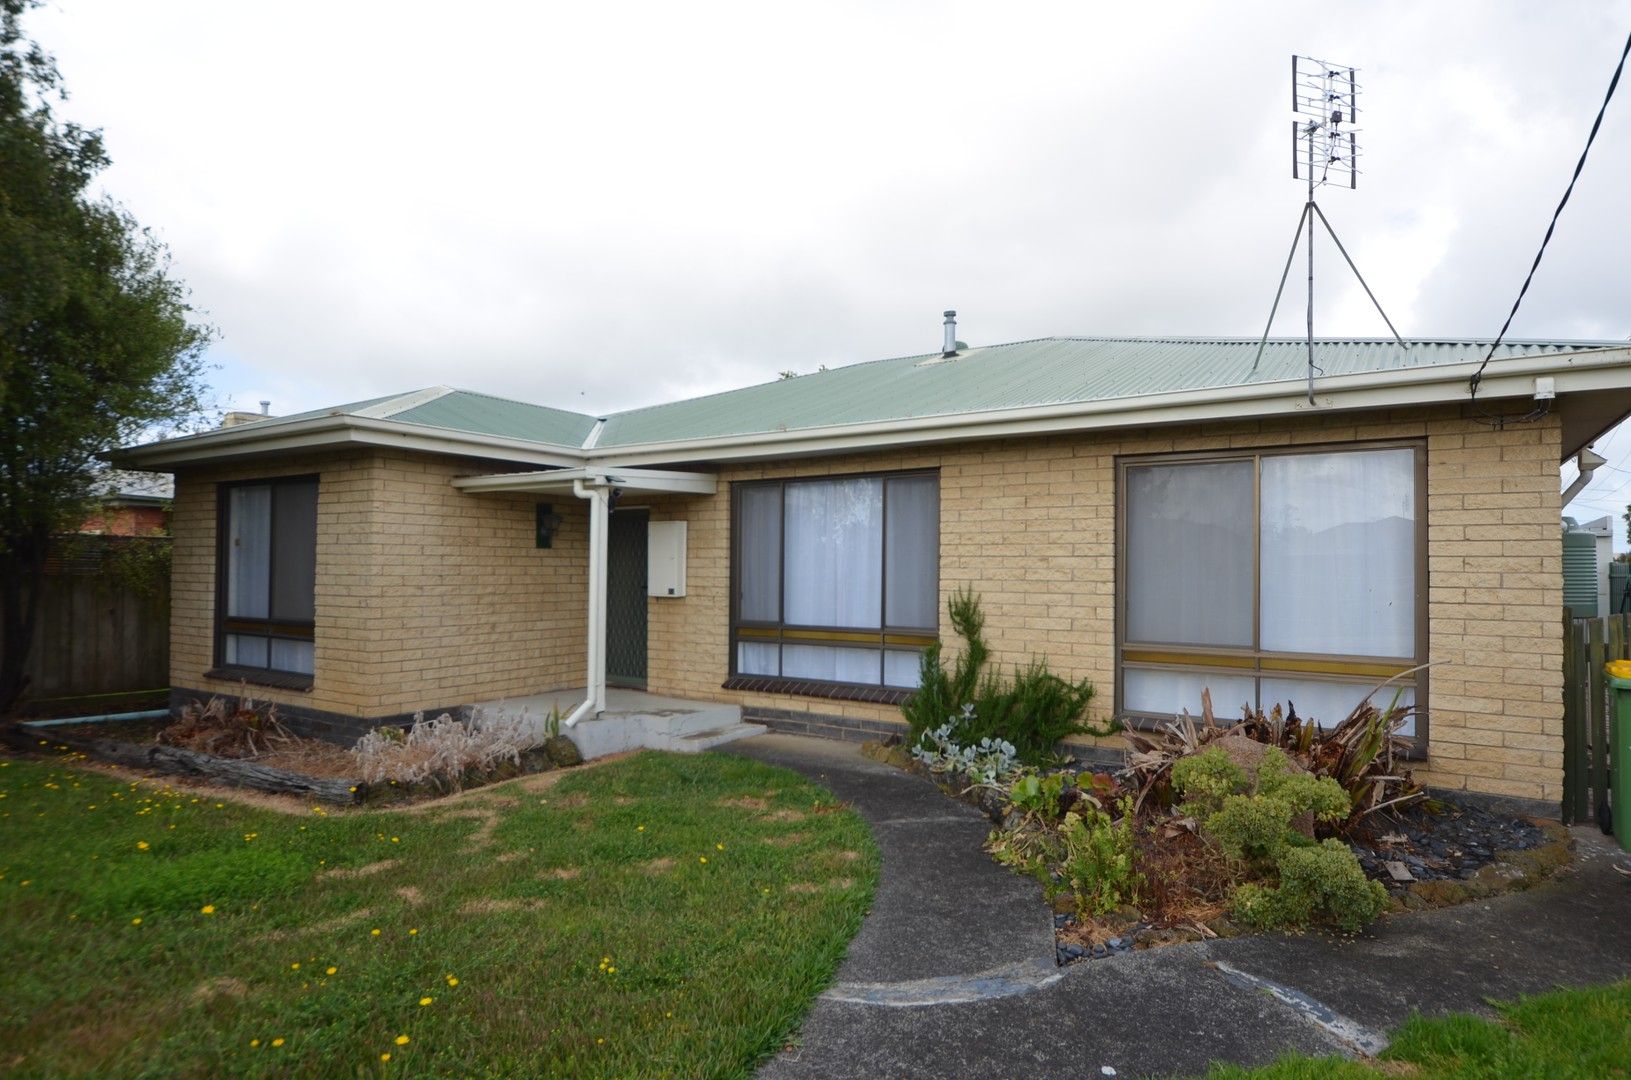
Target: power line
x=1478, y=375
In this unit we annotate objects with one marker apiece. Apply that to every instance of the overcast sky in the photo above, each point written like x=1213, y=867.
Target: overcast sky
x=601, y=205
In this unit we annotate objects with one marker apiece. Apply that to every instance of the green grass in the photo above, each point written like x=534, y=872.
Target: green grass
x=1563, y=1035
x=663, y=915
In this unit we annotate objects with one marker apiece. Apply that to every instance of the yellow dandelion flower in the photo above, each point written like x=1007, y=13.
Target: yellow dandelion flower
x=254, y=1043
x=719, y=847
x=611, y=971
x=137, y=921
x=295, y=966
x=208, y=909
x=375, y=931
x=142, y=845
x=426, y=1000
x=396, y=839
x=639, y=828
x=599, y=1042
x=413, y=931
x=402, y=1040
x=702, y=858
x=451, y=981
x=385, y=1057
x=277, y=1042
x=332, y=970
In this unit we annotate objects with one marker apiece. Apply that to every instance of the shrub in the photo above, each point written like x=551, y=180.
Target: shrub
x=1042, y=797
x=1206, y=779
x=441, y=751
x=1316, y=881
x=1252, y=823
x=1033, y=710
x=225, y=730
x=1098, y=859
x=988, y=763
x=1362, y=753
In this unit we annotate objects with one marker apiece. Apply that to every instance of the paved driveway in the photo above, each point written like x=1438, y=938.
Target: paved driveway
x=952, y=973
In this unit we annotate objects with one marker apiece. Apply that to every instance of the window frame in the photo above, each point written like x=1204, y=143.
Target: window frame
x=1255, y=662
x=780, y=632
x=282, y=629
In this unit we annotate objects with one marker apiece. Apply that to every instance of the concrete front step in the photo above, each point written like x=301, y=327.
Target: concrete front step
x=706, y=740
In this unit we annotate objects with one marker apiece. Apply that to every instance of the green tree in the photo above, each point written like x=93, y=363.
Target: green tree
x=97, y=343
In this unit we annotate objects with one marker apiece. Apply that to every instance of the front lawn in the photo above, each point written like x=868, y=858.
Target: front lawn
x=1564, y=1035
x=662, y=915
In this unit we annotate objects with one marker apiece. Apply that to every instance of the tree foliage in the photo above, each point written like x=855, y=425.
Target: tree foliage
x=97, y=343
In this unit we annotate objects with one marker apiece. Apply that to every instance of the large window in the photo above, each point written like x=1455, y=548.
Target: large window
x=266, y=575
x=837, y=580
x=1271, y=577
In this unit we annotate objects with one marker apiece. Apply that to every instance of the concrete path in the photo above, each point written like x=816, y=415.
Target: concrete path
x=952, y=973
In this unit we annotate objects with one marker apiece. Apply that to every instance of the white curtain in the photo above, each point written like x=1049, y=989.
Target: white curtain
x=1331, y=702
x=249, y=550
x=902, y=668
x=834, y=554
x=292, y=656
x=912, y=553
x=759, y=553
x=1168, y=693
x=757, y=658
x=1189, y=553
x=1339, y=553
x=246, y=649
x=830, y=663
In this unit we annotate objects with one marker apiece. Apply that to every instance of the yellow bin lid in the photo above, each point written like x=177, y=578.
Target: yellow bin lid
x=1619, y=669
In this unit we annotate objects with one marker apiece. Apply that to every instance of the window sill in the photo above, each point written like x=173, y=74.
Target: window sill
x=283, y=680
x=772, y=684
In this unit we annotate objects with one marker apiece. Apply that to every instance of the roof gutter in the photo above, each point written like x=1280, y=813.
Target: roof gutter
x=1577, y=372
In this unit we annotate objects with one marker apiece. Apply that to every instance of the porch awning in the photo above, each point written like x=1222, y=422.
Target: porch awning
x=561, y=481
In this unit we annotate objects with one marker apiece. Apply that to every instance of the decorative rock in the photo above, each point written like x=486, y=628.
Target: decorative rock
x=1100, y=952
x=562, y=751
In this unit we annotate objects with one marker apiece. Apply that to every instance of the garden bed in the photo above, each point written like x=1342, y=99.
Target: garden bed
x=256, y=752
x=1429, y=853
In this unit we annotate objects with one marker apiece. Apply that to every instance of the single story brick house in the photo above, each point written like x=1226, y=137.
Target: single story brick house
x=1156, y=515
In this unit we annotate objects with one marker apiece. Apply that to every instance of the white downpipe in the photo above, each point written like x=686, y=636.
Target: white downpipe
x=595, y=655
x=1588, y=461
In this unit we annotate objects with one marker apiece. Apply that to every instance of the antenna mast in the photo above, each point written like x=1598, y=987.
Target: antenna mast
x=1324, y=150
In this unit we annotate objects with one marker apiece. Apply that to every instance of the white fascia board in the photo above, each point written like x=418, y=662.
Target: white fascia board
x=1445, y=384
x=331, y=432
x=555, y=481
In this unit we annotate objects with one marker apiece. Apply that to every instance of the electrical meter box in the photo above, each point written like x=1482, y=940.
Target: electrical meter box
x=665, y=558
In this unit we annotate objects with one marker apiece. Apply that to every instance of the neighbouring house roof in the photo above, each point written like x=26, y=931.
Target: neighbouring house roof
x=121, y=486
x=1047, y=384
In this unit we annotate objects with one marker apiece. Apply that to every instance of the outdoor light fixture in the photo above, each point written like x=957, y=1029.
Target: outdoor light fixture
x=547, y=522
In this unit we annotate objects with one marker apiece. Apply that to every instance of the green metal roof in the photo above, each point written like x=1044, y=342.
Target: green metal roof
x=464, y=410
x=445, y=408
x=1046, y=371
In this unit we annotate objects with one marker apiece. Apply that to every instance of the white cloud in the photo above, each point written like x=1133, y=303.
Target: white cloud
x=602, y=205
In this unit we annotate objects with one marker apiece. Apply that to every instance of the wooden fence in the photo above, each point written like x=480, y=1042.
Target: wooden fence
x=1588, y=644
x=100, y=634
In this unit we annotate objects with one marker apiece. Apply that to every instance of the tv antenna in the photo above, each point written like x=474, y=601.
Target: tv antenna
x=1324, y=150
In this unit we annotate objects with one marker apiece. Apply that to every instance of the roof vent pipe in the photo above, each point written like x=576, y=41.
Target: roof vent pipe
x=950, y=347
x=266, y=407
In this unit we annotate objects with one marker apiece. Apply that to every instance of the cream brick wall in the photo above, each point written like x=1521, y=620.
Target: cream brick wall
x=1030, y=526
x=426, y=597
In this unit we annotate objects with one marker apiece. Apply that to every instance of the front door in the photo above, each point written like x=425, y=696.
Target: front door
x=626, y=599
